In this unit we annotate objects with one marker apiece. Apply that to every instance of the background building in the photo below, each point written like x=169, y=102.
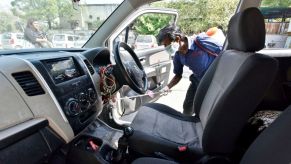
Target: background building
x=90, y=14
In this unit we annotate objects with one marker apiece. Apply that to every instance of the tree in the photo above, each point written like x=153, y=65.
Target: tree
x=277, y=3
x=150, y=24
x=44, y=10
x=5, y=22
x=191, y=15
x=220, y=13
x=199, y=15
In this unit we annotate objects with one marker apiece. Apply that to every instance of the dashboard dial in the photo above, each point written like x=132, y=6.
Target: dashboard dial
x=73, y=107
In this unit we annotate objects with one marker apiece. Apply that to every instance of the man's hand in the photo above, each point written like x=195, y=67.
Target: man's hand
x=165, y=91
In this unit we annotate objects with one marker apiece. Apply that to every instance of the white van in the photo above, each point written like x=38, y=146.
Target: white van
x=11, y=40
x=64, y=40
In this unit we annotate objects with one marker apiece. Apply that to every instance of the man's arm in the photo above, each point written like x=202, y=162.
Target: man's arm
x=175, y=80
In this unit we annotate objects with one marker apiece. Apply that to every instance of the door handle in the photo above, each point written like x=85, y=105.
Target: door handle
x=142, y=60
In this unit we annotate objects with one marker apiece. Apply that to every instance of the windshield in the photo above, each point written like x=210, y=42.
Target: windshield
x=44, y=24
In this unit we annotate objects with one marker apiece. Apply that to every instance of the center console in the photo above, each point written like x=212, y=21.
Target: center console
x=90, y=150
x=96, y=145
x=69, y=80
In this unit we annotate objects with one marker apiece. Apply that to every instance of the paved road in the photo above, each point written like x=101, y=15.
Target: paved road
x=176, y=98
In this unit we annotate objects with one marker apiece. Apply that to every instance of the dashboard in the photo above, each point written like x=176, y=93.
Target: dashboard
x=62, y=87
x=50, y=103
x=71, y=83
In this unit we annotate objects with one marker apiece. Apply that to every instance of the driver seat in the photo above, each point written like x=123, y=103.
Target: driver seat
x=227, y=95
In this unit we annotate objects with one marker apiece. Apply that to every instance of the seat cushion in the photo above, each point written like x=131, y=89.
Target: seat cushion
x=159, y=128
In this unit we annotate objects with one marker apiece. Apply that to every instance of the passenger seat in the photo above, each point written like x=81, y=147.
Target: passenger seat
x=273, y=146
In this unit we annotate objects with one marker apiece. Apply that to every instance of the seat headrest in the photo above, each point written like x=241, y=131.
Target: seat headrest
x=246, y=31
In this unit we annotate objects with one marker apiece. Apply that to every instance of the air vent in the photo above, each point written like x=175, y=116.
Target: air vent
x=89, y=66
x=28, y=83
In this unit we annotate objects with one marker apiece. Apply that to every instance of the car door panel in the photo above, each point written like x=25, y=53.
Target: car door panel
x=156, y=62
x=157, y=65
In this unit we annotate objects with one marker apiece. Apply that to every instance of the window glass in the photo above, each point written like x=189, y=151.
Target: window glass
x=277, y=16
x=200, y=15
x=46, y=19
x=143, y=30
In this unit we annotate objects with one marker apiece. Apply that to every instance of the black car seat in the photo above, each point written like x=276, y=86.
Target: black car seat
x=226, y=97
x=272, y=146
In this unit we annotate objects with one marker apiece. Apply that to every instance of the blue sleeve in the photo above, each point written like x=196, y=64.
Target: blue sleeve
x=178, y=66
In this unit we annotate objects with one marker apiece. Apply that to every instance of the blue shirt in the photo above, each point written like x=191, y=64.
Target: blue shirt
x=197, y=60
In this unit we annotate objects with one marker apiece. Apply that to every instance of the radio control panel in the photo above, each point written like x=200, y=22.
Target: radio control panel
x=72, y=86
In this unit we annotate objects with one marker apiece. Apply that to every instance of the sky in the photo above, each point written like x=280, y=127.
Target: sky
x=5, y=5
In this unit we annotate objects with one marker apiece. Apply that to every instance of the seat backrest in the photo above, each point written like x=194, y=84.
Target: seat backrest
x=234, y=84
x=274, y=144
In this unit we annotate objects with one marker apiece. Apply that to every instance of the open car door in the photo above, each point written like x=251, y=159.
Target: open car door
x=155, y=60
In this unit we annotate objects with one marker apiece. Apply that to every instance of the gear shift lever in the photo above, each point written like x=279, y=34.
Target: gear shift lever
x=127, y=132
x=123, y=143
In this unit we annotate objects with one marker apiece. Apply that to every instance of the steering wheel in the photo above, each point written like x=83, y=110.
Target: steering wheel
x=130, y=68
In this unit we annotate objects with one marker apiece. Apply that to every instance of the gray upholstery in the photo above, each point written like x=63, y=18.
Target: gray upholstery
x=272, y=146
x=227, y=95
x=173, y=130
x=244, y=35
x=238, y=86
x=183, y=130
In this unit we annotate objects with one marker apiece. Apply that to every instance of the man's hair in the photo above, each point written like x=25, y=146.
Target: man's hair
x=169, y=31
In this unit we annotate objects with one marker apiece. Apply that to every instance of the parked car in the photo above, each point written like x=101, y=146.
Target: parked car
x=81, y=41
x=145, y=42
x=64, y=40
x=15, y=41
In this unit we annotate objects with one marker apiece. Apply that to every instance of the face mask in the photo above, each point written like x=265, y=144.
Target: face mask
x=175, y=46
x=170, y=49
